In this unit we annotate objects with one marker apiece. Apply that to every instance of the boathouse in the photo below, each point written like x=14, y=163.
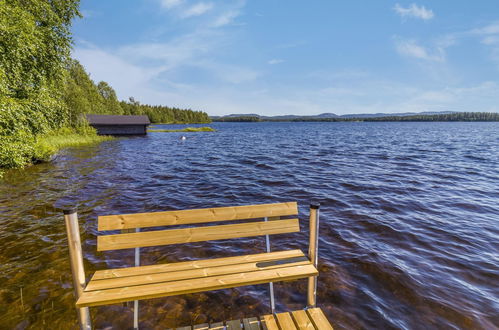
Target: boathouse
x=119, y=125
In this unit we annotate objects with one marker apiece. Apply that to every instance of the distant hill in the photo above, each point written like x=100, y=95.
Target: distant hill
x=242, y=115
x=399, y=114
x=324, y=115
x=331, y=117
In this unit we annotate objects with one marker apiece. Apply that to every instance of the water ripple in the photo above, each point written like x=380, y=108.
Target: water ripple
x=409, y=236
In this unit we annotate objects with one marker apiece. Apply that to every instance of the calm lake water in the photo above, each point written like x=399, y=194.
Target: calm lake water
x=409, y=233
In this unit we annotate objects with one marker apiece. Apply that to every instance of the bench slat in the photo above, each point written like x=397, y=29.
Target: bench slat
x=139, y=292
x=182, y=217
x=200, y=274
x=196, y=234
x=195, y=264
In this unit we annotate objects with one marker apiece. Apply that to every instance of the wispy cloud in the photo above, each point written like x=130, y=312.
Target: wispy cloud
x=168, y=4
x=411, y=48
x=492, y=28
x=347, y=93
x=198, y=67
x=226, y=18
x=414, y=11
x=489, y=36
x=197, y=9
x=218, y=14
x=275, y=61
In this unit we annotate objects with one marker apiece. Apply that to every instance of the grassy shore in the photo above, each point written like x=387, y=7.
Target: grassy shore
x=48, y=145
x=187, y=129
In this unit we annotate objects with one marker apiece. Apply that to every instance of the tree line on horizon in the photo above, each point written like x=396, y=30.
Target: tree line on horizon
x=43, y=90
x=456, y=116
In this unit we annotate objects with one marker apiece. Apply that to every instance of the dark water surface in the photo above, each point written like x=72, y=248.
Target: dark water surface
x=409, y=221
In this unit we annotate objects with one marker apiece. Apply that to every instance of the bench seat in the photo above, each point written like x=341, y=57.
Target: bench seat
x=136, y=283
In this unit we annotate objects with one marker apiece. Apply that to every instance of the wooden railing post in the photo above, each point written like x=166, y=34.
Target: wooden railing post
x=271, y=285
x=76, y=260
x=313, y=253
x=136, y=302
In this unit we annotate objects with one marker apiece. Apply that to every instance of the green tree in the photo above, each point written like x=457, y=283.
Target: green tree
x=35, y=43
x=110, y=99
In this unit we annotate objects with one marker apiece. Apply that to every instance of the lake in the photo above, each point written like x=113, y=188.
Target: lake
x=409, y=232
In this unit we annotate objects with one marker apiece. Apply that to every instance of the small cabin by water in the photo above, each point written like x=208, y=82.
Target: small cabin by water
x=119, y=125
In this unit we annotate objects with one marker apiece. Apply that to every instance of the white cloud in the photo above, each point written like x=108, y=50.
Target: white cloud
x=490, y=40
x=489, y=35
x=174, y=53
x=226, y=18
x=126, y=78
x=191, y=71
x=275, y=61
x=220, y=14
x=410, y=48
x=169, y=4
x=492, y=28
x=345, y=93
x=198, y=9
x=414, y=11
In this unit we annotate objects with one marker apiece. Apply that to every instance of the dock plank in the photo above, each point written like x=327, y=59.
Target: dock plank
x=269, y=322
x=233, y=325
x=217, y=326
x=285, y=321
x=302, y=320
x=251, y=324
x=312, y=318
x=319, y=319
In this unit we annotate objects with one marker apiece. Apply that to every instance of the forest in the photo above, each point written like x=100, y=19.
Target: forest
x=456, y=116
x=44, y=93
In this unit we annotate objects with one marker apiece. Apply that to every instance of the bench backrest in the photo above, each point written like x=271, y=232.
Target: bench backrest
x=272, y=212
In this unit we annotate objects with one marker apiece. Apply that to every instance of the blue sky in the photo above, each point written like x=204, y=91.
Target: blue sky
x=295, y=57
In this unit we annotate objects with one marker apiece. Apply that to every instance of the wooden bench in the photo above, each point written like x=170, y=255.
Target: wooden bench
x=111, y=286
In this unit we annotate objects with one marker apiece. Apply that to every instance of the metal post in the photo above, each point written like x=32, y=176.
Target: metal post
x=136, y=302
x=313, y=253
x=271, y=285
x=76, y=260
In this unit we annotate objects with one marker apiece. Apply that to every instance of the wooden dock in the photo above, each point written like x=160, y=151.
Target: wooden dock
x=310, y=319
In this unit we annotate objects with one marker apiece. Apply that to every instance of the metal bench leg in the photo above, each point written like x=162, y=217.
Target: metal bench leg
x=271, y=285
x=136, y=302
x=76, y=261
x=313, y=253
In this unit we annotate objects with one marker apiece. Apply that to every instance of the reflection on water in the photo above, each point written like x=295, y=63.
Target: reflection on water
x=409, y=235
